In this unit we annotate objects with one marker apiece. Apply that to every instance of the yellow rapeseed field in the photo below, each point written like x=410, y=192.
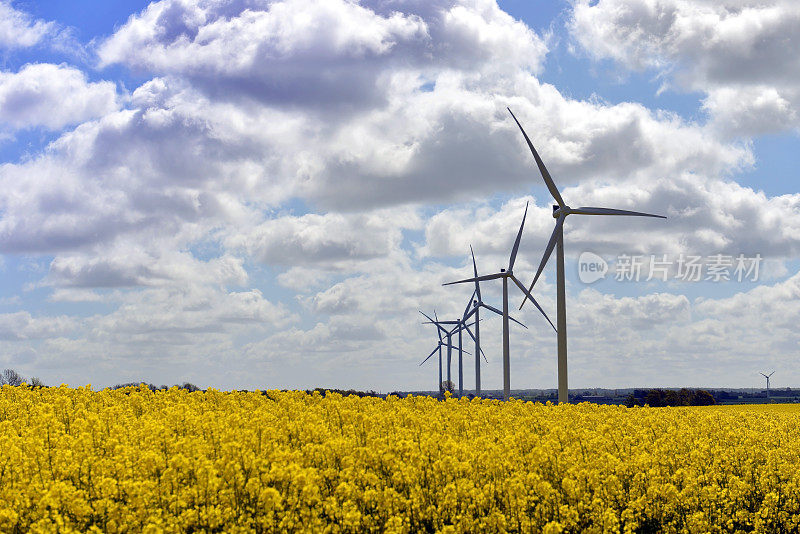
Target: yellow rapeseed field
x=132, y=460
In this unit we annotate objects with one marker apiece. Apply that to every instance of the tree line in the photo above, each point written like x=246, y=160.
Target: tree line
x=669, y=397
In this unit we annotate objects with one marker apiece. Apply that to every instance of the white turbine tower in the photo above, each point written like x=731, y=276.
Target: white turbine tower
x=767, y=377
x=560, y=212
x=506, y=275
x=475, y=306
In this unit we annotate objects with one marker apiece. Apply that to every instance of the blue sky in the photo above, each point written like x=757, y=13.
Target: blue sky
x=263, y=194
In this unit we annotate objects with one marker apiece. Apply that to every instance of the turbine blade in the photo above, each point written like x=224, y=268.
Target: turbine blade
x=608, y=211
x=528, y=295
x=440, y=323
x=551, y=186
x=519, y=323
x=438, y=327
x=428, y=317
x=469, y=305
x=431, y=321
x=492, y=309
x=475, y=270
x=477, y=279
x=470, y=334
x=547, y=251
x=469, y=314
x=456, y=348
x=429, y=355
x=498, y=312
x=516, y=243
x=475, y=340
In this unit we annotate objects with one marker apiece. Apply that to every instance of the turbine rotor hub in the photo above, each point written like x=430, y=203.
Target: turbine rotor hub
x=558, y=210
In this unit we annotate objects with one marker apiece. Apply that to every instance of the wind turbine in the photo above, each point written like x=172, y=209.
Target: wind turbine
x=438, y=348
x=448, y=334
x=459, y=327
x=560, y=212
x=505, y=275
x=477, y=304
x=767, y=377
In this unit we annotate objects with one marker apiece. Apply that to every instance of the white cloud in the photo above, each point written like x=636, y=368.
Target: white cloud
x=133, y=266
x=718, y=41
x=22, y=326
x=705, y=216
x=319, y=54
x=75, y=295
x=18, y=29
x=174, y=317
x=52, y=96
x=736, y=51
x=335, y=241
x=753, y=110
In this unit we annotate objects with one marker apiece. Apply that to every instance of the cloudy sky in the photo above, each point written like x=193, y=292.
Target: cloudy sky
x=255, y=193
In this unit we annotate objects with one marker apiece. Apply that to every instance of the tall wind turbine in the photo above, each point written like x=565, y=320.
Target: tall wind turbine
x=476, y=305
x=560, y=212
x=767, y=377
x=506, y=275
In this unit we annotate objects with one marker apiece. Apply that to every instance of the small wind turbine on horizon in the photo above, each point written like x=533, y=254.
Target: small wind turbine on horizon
x=449, y=335
x=505, y=275
x=438, y=348
x=560, y=212
x=767, y=377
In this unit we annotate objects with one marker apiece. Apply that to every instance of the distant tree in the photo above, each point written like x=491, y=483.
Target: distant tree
x=188, y=386
x=655, y=398
x=11, y=377
x=35, y=382
x=684, y=397
x=722, y=395
x=448, y=385
x=703, y=398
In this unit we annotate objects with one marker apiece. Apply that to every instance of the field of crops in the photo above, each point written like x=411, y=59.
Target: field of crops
x=133, y=460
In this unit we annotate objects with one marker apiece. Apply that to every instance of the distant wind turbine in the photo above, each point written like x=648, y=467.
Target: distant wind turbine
x=507, y=274
x=767, y=377
x=448, y=334
x=560, y=212
x=438, y=348
x=458, y=327
x=476, y=305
